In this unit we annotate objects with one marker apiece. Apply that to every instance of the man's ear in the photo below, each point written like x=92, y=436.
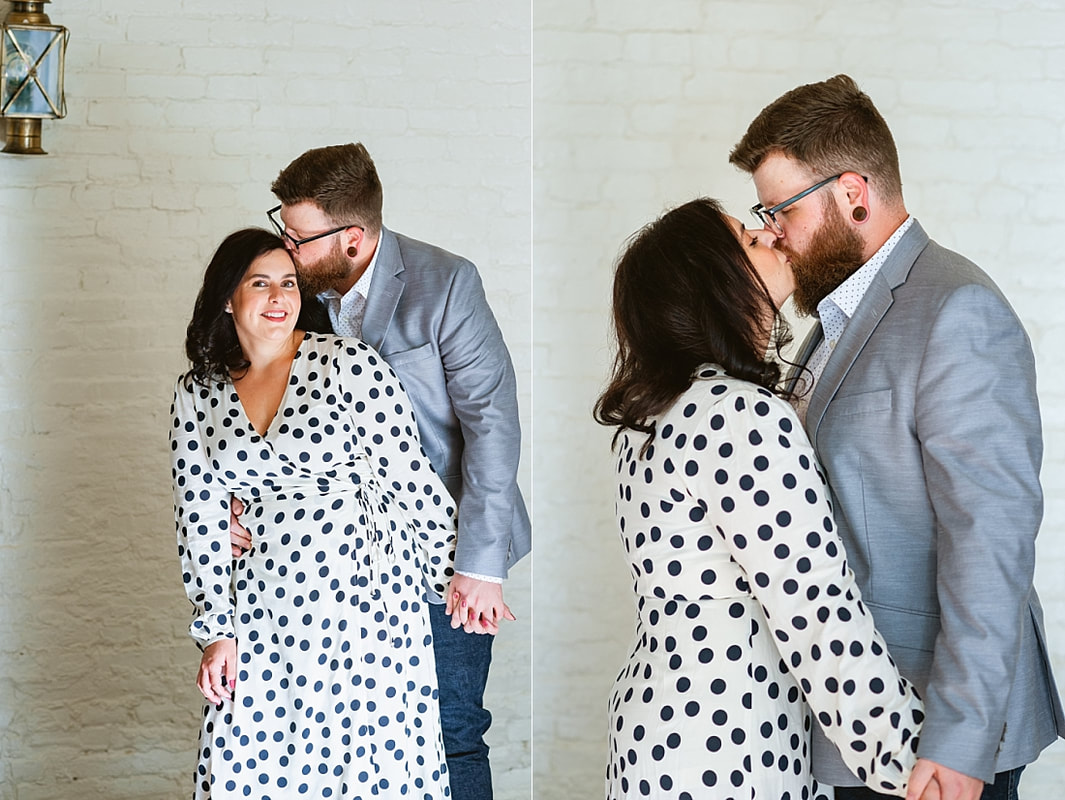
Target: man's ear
x=856, y=186
x=856, y=196
x=353, y=238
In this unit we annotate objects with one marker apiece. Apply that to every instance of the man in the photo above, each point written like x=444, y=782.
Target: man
x=425, y=311
x=924, y=414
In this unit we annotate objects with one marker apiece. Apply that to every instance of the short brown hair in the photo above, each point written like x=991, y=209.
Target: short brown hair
x=831, y=127
x=340, y=179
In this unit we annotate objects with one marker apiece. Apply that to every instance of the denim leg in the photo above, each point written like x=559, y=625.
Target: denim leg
x=860, y=793
x=462, y=661
x=1004, y=788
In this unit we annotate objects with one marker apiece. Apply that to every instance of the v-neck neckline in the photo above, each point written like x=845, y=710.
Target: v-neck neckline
x=284, y=395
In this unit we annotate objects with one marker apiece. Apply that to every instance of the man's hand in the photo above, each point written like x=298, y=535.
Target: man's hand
x=476, y=606
x=932, y=781
x=239, y=538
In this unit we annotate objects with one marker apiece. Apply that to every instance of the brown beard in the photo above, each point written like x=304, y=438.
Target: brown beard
x=325, y=273
x=833, y=255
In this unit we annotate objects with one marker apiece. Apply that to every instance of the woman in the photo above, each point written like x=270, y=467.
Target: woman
x=745, y=601
x=317, y=662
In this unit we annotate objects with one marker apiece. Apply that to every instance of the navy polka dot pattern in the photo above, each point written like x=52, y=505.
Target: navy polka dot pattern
x=336, y=692
x=745, y=605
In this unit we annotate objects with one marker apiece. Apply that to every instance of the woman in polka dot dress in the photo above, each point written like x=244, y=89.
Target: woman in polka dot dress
x=747, y=613
x=317, y=667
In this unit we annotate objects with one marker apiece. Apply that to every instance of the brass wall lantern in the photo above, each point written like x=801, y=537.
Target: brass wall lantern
x=32, y=60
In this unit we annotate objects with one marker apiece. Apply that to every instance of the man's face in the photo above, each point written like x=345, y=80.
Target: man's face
x=321, y=264
x=833, y=253
x=824, y=249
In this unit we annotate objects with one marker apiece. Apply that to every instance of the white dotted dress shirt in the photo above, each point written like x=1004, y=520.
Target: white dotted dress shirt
x=346, y=312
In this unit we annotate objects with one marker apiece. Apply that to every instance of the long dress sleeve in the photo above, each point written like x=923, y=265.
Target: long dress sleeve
x=201, y=514
x=766, y=486
x=389, y=434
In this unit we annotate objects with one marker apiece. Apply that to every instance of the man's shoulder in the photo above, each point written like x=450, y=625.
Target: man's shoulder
x=941, y=280
x=938, y=267
x=423, y=257
x=918, y=264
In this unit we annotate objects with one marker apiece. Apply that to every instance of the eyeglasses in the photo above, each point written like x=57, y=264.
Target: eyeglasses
x=294, y=244
x=767, y=216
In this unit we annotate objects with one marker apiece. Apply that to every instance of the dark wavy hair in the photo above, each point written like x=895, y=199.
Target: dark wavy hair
x=685, y=294
x=211, y=342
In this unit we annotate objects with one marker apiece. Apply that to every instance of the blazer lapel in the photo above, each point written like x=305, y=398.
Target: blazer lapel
x=386, y=287
x=872, y=308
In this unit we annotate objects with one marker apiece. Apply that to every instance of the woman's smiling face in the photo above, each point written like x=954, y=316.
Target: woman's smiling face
x=267, y=302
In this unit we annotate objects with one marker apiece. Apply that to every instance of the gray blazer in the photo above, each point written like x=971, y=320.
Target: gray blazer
x=428, y=317
x=927, y=424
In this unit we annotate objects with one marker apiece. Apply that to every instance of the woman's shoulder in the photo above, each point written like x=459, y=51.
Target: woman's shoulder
x=347, y=353
x=351, y=345
x=712, y=384
x=713, y=391
x=188, y=384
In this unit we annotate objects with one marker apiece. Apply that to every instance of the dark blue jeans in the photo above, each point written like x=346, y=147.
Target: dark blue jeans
x=462, y=661
x=1004, y=788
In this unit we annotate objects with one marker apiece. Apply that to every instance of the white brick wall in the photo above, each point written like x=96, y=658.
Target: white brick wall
x=180, y=115
x=636, y=108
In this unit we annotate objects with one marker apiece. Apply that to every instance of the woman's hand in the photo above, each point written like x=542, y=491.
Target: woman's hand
x=932, y=781
x=239, y=538
x=219, y=659
x=476, y=606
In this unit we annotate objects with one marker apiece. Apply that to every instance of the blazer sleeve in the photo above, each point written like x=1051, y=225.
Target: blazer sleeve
x=483, y=391
x=977, y=419
x=767, y=490
x=201, y=514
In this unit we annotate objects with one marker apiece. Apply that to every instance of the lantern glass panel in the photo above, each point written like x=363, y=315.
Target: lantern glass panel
x=17, y=66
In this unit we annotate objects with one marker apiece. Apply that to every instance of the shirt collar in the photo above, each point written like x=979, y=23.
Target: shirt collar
x=362, y=285
x=849, y=294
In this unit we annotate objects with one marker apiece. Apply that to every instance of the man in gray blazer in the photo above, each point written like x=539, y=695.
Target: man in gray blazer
x=425, y=311
x=924, y=414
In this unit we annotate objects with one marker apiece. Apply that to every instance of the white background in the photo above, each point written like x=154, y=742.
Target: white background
x=180, y=117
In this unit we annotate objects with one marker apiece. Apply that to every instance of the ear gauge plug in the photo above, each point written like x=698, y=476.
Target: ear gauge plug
x=859, y=214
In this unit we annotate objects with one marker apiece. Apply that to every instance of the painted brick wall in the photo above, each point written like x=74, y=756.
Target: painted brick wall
x=180, y=116
x=636, y=108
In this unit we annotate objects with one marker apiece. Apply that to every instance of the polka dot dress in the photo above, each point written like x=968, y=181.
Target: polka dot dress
x=336, y=692
x=744, y=605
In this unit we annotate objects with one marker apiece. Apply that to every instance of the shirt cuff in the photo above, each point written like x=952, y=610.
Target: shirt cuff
x=476, y=577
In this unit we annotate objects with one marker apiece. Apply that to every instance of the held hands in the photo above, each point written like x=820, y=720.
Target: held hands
x=476, y=606
x=219, y=659
x=932, y=781
x=239, y=538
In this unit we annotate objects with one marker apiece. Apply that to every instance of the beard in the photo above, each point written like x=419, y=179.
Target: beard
x=325, y=273
x=833, y=255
